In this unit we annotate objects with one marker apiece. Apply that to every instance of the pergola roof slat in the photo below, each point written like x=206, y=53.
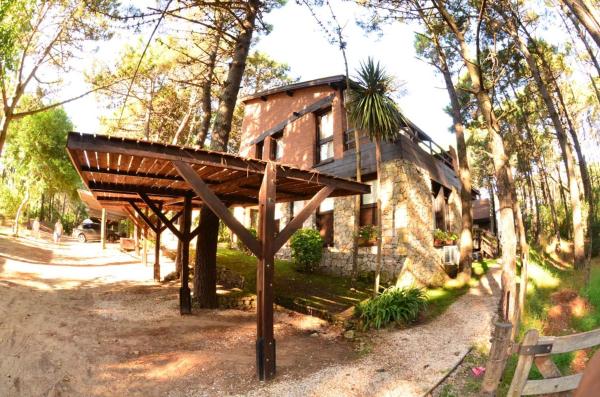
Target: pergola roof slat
x=122, y=168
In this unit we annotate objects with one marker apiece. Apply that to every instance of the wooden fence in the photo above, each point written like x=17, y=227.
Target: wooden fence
x=538, y=350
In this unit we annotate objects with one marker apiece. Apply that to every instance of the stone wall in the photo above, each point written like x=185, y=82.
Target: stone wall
x=407, y=219
x=408, y=254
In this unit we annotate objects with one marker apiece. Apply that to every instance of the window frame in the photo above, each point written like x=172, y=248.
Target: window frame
x=327, y=241
x=275, y=139
x=320, y=142
x=372, y=207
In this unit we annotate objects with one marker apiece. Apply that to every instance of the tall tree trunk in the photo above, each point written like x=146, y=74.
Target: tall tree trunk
x=563, y=199
x=578, y=240
x=464, y=173
x=207, y=87
x=206, y=261
x=42, y=200
x=379, y=217
x=536, y=205
x=501, y=167
x=19, y=212
x=549, y=199
x=581, y=36
x=586, y=16
x=4, y=123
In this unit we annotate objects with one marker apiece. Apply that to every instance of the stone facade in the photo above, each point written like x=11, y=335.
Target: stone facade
x=408, y=254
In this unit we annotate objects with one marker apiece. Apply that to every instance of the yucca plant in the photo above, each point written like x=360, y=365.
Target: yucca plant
x=372, y=110
x=394, y=305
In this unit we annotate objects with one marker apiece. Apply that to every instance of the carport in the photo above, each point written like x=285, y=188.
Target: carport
x=162, y=178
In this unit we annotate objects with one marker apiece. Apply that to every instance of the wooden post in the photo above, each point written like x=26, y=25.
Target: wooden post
x=145, y=246
x=157, y=248
x=136, y=237
x=524, y=365
x=497, y=360
x=185, y=298
x=103, y=229
x=265, y=341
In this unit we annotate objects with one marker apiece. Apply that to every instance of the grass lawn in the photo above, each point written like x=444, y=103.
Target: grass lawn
x=547, y=276
x=331, y=293
x=334, y=294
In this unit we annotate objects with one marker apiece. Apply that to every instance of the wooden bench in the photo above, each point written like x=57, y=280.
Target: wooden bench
x=538, y=350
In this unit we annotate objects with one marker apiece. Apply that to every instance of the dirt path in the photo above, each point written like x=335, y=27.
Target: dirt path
x=76, y=321
x=406, y=362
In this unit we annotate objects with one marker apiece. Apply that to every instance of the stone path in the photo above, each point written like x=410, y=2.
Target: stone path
x=407, y=362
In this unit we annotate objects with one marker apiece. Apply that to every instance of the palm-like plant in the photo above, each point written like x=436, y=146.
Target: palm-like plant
x=372, y=110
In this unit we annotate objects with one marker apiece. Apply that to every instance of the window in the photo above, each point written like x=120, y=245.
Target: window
x=254, y=218
x=440, y=205
x=277, y=146
x=259, y=150
x=325, y=136
x=368, y=205
x=325, y=221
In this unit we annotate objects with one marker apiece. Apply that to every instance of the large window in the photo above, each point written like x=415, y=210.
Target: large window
x=324, y=136
x=325, y=221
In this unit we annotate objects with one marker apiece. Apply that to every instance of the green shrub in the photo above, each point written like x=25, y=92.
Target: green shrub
x=307, y=248
x=394, y=305
x=242, y=247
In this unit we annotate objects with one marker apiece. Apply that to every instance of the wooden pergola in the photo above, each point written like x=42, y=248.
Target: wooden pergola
x=160, y=178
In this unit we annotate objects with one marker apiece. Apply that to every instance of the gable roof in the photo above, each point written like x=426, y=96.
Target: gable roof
x=339, y=80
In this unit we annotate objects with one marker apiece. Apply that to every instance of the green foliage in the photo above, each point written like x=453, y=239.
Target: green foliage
x=240, y=244
x=370, y=107
x=367, y=232
x=394, y=305
x=35, y=159
x=444, y=236
x=307, y=249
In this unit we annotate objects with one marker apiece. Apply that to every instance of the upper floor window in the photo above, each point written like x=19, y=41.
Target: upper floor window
x=277, y=146
x=258, y=154
x=325, y=136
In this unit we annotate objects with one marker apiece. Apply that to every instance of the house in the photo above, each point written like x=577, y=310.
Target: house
x=419, y=187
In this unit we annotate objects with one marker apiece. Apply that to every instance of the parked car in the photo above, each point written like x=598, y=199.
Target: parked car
x=91, y=232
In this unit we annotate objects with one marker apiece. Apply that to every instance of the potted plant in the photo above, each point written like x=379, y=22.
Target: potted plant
x=367, y=235
x=451, y=238
x=439, y=237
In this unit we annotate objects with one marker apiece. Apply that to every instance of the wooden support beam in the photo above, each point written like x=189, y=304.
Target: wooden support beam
x=185, y=296
x=132, y=217
x=162, y=216
x=147, y=222
x=132, y=173
x=217, y=206
x=265, y=341
x=302, y=216
x=122, y=188
x=267, y=149
x=103, y=229
x=157, y=232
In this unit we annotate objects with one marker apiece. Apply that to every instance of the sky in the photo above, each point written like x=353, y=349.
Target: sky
x=297, y=40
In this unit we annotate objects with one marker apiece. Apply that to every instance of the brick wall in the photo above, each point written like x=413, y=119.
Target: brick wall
x=299, y=137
